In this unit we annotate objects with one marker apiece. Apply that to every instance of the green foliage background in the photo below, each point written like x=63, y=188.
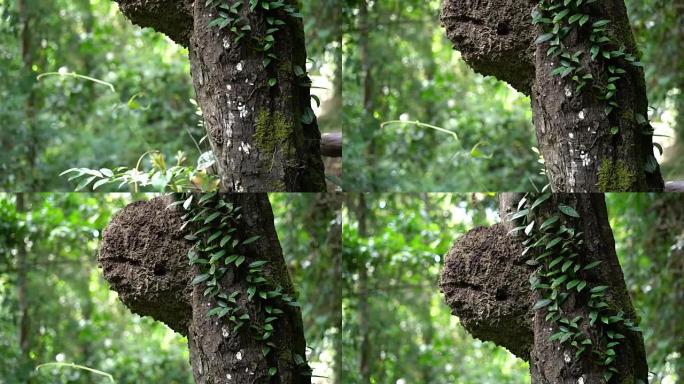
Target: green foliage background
x=413, y=337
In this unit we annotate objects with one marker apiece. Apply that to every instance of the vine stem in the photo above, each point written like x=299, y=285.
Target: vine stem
x=76, y=75
x=73, y=365
x=419, y=124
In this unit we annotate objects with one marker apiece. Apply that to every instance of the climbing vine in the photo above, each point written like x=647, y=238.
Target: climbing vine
x=212, y=223
x=555, y=246
x=234, y=17
x=558, y=19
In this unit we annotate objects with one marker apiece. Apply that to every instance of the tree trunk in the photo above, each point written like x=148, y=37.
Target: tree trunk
x=364, y=348
x=367, y=85
x=27, y=56
x=485, y=282
x=585, y=147
x=23, y=319
x=258, y=117
x=144, y=258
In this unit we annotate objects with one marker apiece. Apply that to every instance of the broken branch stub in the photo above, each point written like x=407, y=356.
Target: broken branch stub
x=485, y=283
x=143, y=256
x=489, y=33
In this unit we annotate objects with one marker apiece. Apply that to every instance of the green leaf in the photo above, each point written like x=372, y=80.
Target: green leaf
x=553, y=242
x=257, y=263
x=543, y=38
x=560, y=15
x=600, y=23
x=239, y=261
x=555, y=261
x=272, y=371
x=581, y=286
x=529, y=228
x=225, y=239
x=549, y=222
x=568, y=210
x=575, y=17
x=541, y=304
x=251, y=240
x=566, y=265
x=591, y=265
x=557, y=282
x=213, y=237
x=200, y=278
x=583, y=20
x=187, y=203
x=212, y=217
x=540, y=200
x=598, y=289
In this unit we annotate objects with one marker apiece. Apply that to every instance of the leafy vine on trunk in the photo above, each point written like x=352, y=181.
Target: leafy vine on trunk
x=558, y=19
x=231, y=16
x=212, y=223
x=556, y=248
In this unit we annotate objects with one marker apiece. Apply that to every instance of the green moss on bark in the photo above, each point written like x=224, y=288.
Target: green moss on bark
x=272, y=132
x=615, y=176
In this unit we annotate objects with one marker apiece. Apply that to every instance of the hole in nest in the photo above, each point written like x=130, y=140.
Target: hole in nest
x=159, y=270
x=503, y=29
x=501, y=294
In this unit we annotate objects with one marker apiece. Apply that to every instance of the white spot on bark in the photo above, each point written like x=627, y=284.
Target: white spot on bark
x=586, y=159
x=225, y=331
x=580, y=380
x=571, y=135
x=568, y=92
x=238, y=356
x=238, y=67
x=226, y=43
x=245, y=148
x=229, y=376
x=571, y=176
x=581, y=115
x=566, y=357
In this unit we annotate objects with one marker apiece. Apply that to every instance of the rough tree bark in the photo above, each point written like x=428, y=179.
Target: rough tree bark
x=574, y=134
x=485, y=282
x=255, y=130
x=144, y=258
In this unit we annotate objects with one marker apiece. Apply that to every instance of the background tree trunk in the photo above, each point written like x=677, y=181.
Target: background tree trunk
x=581, y=153
x=144, y=258
x=485, y=282
x=364, y=348
x=23, y=319
x=256, y=130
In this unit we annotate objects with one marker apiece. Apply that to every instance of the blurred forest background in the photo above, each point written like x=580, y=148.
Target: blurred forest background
x=398, y=330
x=398, y=65
x=60, y=122
x=55, y=305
